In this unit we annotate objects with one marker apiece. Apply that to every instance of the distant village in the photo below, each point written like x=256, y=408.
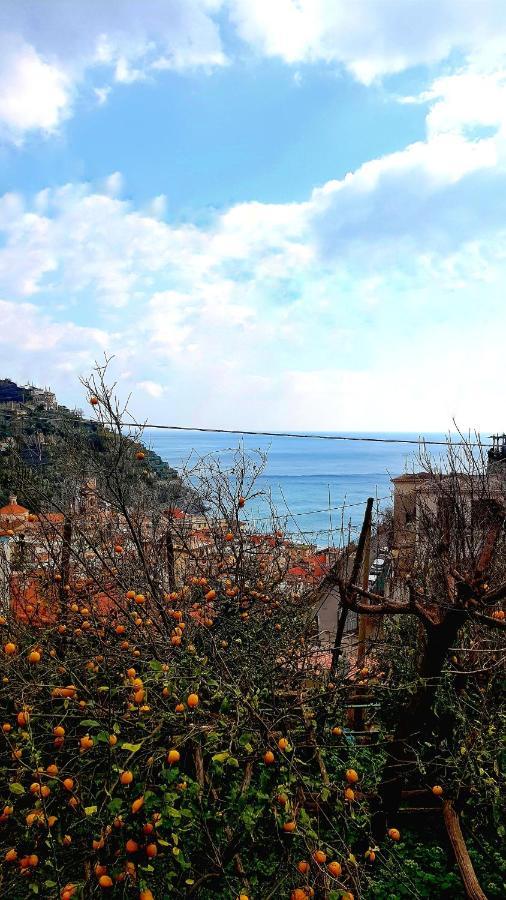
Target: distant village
x=32, y=541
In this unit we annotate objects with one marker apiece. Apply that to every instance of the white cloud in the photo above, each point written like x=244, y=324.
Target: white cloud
x=34, y=95
x=47, y=49
x=33, y=344
x=369, y=37
x=50, y=52
x=102, y=94
x=151, y=388
x=283, y=315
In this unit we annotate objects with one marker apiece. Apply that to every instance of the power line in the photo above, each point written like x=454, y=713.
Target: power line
x=309, y=512
x=309, y=436
x=285, y=434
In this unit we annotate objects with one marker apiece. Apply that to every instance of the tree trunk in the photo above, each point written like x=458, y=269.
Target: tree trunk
x=417, y=717
x=467, y=873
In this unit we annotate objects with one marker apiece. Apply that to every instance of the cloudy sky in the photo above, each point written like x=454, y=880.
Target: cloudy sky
x=274, y=213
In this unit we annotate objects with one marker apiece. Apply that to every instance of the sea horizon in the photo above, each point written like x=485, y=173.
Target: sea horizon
x=319, y=488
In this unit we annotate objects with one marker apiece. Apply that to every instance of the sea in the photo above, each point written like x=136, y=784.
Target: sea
x=318, y=488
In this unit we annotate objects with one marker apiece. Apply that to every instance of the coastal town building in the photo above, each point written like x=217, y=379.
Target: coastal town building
x=421, y=496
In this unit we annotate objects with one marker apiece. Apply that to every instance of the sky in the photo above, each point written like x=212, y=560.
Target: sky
x=272, y=214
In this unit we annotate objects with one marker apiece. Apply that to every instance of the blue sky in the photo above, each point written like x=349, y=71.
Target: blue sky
x=273, y=214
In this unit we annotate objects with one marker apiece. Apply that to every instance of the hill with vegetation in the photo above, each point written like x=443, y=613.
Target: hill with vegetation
x=37, y=434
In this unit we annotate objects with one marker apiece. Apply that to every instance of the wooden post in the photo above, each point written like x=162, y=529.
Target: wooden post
x=467, y=873
x=362, y=620
x=357, y=563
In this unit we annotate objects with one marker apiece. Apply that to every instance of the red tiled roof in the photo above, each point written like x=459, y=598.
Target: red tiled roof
x=175, y=513
x=13, y=509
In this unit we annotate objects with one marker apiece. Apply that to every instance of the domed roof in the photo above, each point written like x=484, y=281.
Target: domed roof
x=13, y=508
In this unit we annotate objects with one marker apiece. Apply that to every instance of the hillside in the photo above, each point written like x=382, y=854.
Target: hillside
x=34, y=427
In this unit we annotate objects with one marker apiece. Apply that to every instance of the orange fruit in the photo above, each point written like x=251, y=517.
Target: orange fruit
x=289, y=826
x=269, y=757
x=68, y=892
x=173, y=757
x=113, y=740
x=193, y=701
x=86, y=742
x=151, y=850
x=59, y=731
x=349, y=795
x=146, y=895
x=283, y=743
x=34, y=657
x=303, y=867
x=351, y=776
x=337, y=731
x=105, y=881
x=131, y=846
x=23, y=718
x=11, y=855
x=137, y=804
x=319, y=857
x=93, y=401
x=126, y=777
x=10, y=648
x=52, y=769
x=394, y=834
x=437, y=790
x=334, y=869
x=68, y=784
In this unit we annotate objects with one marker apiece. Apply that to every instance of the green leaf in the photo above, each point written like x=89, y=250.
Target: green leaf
x=90, y=723
x=221, y=757
x=115, y=805
x=155, y=665
x=90, y=810
x=16, y=788
x=232, y=761
x=132, y=747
